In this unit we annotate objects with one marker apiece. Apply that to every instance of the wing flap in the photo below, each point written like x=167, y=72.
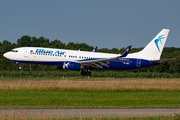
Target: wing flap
x=105, y=64
x=99, y=66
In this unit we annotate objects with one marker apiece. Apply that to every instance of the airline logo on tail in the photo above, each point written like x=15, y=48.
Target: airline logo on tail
x=158, y=40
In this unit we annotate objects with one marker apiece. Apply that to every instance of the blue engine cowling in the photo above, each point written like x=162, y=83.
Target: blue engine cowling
x=16, y=62
x=71, y=66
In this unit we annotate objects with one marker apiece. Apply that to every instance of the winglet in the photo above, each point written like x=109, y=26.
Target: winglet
x=126, y=52
x=95, y=49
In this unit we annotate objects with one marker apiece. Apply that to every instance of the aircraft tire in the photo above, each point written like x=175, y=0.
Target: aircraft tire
x=83, y=73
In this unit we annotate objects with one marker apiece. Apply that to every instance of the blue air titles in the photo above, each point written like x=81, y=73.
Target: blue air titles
x=59, y=53
x=49, y=51
x=43, y=51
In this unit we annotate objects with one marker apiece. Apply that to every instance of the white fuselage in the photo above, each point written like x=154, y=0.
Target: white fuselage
x=76, y=60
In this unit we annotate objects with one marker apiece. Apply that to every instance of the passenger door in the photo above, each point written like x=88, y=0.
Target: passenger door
x=26, y=53
x=138, y=62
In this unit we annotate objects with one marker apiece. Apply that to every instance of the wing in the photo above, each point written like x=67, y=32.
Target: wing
x=98, y=63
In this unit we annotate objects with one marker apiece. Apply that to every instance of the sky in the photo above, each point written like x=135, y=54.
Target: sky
x=103, y=23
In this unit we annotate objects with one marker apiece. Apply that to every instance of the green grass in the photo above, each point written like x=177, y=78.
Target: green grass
x=89, y=99
x=95, y=74
x=84, y=78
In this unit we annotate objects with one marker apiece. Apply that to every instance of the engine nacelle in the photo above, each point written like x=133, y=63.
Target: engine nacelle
x=71, y=66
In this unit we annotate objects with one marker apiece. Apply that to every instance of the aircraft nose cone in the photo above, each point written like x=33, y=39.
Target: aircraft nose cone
x=5, y=55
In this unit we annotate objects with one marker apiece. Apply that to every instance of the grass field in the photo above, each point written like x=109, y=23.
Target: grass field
x=23, y=117
x=89, y=99
x=160, y=85
x=95, y=118
x=90, y=94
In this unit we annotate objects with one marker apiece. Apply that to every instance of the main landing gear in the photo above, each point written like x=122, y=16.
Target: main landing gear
x=88, y=73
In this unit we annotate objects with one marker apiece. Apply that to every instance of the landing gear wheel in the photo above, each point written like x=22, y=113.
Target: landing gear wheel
x=83, y=73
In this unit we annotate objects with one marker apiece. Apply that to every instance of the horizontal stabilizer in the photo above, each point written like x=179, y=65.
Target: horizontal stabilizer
x=161, y=60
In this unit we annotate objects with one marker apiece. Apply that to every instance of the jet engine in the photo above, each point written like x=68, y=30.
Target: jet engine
x=71, y=66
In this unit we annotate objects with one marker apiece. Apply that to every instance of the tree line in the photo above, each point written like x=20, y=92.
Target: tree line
x=172, y=66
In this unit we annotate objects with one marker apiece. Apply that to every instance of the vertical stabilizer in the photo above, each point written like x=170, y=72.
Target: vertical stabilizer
x=154, y=49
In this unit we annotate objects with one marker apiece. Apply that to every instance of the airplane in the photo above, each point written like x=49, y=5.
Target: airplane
x=85, y=61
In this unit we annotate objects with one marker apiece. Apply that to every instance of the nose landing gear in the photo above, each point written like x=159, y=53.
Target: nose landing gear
x=88, y=73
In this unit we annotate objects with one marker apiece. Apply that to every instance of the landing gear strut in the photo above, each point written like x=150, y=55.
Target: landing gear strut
x=88, y=73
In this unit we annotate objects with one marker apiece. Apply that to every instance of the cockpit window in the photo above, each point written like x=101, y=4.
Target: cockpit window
x=14, y=50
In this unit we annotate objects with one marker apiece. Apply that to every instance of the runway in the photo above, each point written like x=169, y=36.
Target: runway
x=89, y=112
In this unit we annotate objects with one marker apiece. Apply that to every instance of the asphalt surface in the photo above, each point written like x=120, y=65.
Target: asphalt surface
x=89, y=112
